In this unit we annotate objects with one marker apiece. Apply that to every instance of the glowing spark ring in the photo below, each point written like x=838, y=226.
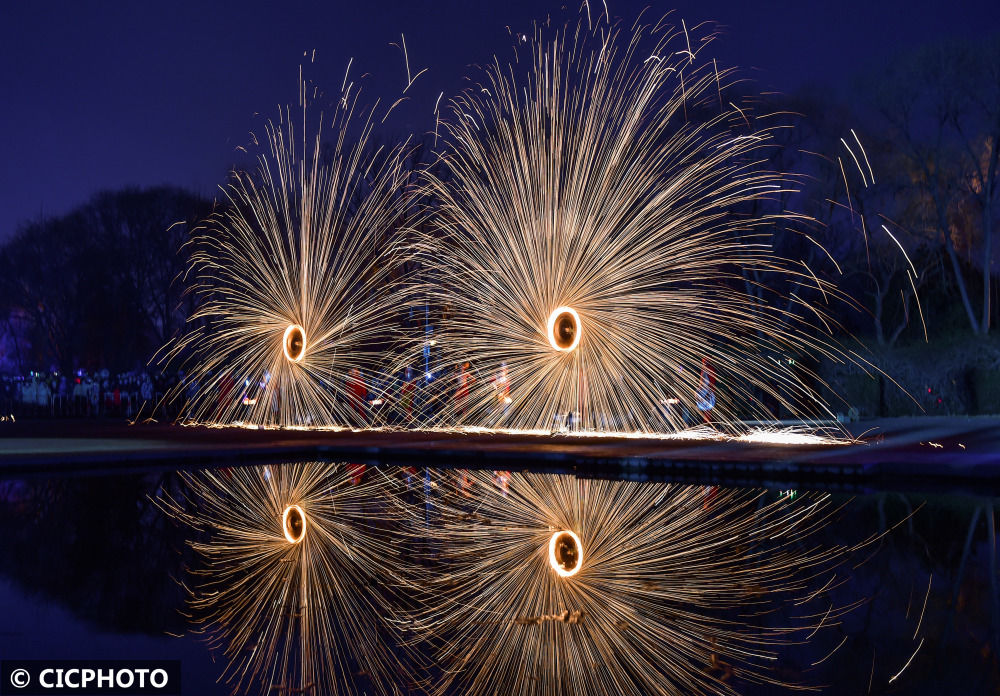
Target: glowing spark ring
x=293, y=524
x=564, y=329
x=565, y=550
x=293, y=343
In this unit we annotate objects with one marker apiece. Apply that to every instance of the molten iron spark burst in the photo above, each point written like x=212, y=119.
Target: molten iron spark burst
x=294, y=343
x=293, y=524
x=550, y=584
x=564, y=329
x=565, y=553
x=296, y=570
x=606, y=221
x=295, y=279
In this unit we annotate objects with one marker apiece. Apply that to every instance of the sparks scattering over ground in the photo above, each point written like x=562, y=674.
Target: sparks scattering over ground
x=757, y=435
x=604, y=242
x=295, y=277
x=295, y=571
x=548, y=584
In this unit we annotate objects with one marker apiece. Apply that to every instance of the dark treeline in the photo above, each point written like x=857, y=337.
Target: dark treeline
x=908, y=210
x=100, y=287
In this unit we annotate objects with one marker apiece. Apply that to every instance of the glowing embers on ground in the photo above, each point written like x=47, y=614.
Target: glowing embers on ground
x=612, y=173
x=657, y=589
x=294, y=343
x=295, y=575
x=564, y=329
x=297, y=278
x=795, y=435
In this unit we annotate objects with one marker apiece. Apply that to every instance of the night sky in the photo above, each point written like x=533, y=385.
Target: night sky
x=97, y=95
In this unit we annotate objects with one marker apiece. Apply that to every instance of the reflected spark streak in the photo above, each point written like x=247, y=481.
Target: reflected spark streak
x=588, y=175
x=293, y=609
x=677, y=586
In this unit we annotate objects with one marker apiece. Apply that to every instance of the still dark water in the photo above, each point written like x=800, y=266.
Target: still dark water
x=92, y=568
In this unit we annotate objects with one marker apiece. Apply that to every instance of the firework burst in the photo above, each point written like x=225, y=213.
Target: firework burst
x=296, y=278
x=295, y=577
x=552, y=584
x=605, y=243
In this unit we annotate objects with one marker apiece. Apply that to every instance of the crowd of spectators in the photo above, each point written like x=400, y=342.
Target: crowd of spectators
x=400, y=399
x=82, y=394
x=100, y=393
x=404, y=399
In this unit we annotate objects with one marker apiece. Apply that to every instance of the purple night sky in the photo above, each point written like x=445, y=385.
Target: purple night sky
x=102, y=95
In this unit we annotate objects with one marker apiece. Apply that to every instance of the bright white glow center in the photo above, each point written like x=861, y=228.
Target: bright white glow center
x=294, y=343
x=293, y=524
x=564, y=329
x=565, y=553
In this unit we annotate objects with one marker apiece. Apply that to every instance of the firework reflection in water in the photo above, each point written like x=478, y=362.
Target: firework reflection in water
x=607, y=219
x=296, y=575
x=547, y=584
x=295, y=276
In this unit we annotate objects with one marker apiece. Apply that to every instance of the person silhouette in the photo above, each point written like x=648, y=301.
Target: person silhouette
x=706, y=390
